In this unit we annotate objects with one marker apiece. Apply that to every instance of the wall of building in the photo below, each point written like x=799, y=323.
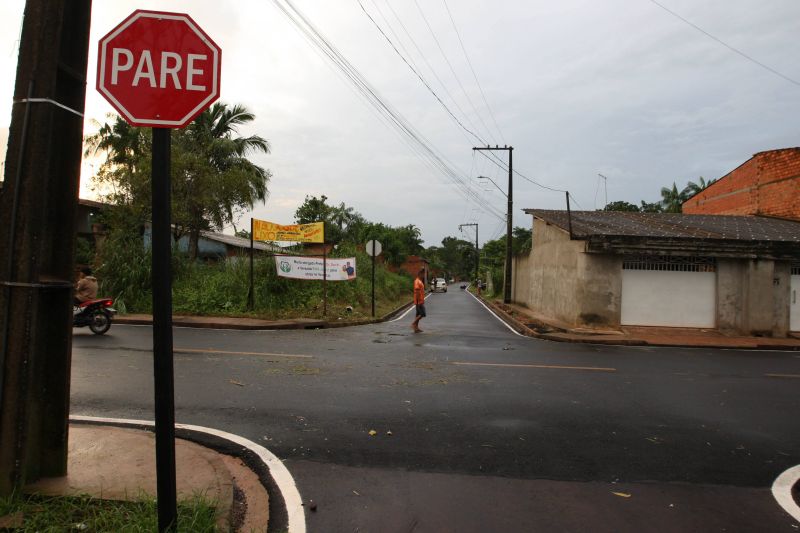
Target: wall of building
x=753, y=296
x=521, y=279
x=559, y=279
x=767, y=184
x=599, y=289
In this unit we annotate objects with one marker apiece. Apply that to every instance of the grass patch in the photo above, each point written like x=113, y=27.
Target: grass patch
x=58, y=514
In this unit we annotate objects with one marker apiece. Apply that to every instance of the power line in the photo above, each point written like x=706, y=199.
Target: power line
x=430, y=67
x=466, y=56
x=415, y=140
x=424, y=82
x=452, y=70
x=726, y=45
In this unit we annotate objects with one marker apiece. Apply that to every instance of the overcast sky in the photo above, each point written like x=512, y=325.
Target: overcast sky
x=619, y=87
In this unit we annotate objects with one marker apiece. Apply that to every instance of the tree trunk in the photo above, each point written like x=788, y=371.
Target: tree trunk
x=194, y=239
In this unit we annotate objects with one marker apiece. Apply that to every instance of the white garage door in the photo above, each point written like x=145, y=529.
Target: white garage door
x=669, y=291
x=794, y=309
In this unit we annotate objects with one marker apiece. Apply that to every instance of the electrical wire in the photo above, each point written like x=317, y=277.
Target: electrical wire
x=452, y=70
x=430, y=68
x=726, y=45
x=420, y=77
x=474, y=75
x=419, y=144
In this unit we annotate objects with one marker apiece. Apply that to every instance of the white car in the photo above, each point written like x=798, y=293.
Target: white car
x=439, y=285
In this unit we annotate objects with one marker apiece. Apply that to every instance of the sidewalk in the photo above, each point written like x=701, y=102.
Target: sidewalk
x=118, y=463
x=533, y=324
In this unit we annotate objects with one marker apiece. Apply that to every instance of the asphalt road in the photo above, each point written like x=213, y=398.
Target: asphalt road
x=477, y=428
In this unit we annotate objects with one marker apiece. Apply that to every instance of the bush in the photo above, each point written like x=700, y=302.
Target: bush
x=221, y=288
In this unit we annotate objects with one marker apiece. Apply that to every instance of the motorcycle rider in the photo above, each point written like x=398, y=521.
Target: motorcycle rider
x=86, y=288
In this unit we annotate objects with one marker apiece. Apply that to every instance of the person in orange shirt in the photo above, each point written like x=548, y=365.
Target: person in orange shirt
x=419, y=300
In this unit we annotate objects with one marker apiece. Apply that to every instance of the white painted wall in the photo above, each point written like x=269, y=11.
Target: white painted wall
x=794, y=304
x=664, y=298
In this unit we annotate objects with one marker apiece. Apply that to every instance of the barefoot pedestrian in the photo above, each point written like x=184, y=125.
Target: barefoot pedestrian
x=419, y=299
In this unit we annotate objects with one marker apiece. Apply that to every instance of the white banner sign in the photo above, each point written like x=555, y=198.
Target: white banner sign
x=300, y=267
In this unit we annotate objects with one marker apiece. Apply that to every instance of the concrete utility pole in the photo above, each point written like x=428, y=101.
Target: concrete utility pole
x=477, y=252
x=510, y=197
x=38, y=205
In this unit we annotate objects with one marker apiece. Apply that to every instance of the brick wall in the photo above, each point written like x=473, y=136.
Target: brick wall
x=766, y=184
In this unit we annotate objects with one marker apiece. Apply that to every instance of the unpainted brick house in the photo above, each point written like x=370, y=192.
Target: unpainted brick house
x=767, y=184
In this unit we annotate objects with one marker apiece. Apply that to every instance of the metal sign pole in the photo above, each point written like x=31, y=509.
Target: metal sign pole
x=250, y=292
x=373, y=280
x=162, y=333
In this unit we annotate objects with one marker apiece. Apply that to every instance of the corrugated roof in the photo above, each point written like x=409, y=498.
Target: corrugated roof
x=239, y=242
x=587, y=224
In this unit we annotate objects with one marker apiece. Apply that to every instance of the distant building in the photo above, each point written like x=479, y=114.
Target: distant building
x=412, y=265
x=213, y=246
x=610, y=269
x=766, y=184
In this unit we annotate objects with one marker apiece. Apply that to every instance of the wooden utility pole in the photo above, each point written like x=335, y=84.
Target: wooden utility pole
x=477, y=251
x=38, y=206
x=510, y=197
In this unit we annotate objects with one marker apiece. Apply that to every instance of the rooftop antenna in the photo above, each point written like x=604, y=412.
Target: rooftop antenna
x=605, y=189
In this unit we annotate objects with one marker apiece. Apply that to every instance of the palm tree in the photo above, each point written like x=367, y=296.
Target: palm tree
x=672, y=199
x=122, y=143
x=342, y=216
x=216, y=175
x=693, y=188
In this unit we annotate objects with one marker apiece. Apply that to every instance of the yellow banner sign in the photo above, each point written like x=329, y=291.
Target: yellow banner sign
x=269, y=231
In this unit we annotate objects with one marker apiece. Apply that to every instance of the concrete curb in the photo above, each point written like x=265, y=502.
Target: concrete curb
x=252, y=324
x=286, y=511
x=562, y=336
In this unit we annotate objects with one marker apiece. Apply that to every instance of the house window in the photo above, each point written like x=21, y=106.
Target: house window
x=669, y=263
x=796, y=270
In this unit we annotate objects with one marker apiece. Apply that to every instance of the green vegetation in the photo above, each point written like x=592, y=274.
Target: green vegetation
x=671, y=199
x=344, y=224
x=57, y=514
x=220, y=289
x=213, y=181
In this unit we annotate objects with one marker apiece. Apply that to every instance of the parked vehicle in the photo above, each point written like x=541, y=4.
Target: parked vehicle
x=97, y=314
x=439, y=285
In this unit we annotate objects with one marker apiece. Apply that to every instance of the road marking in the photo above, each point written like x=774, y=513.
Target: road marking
x=520, y=365
x=412, y=306
x=223, y=352
x=795, y=376
x=782, y=491
x=515, y=332
x=277, y=470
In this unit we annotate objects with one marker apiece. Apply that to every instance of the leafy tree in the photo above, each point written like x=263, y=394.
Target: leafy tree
x=521, y=240
x=622, y=206
x=313, y=209
x=342, y=223
x=457, y=257
x=654, y=207
x=213, y=180
x=494, y=252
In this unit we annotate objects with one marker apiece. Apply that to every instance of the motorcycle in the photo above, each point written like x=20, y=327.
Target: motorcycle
x=97, y=314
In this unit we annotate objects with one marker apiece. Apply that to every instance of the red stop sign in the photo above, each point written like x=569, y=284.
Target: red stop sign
x=158, y=69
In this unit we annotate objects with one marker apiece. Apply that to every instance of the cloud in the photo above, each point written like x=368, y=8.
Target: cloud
x=578, y=87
